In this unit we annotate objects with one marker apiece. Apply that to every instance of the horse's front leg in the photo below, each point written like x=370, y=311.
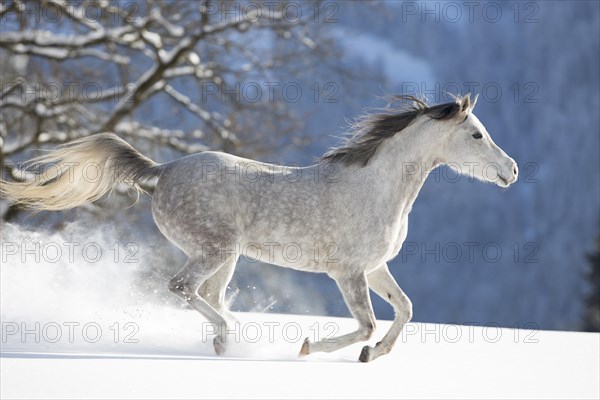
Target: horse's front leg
x=356, y=295
x=382, y=282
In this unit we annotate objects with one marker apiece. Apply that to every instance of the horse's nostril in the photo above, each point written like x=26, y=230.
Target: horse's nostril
x=514, y=170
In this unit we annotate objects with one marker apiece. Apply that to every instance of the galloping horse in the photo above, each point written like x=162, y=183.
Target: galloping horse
x=346, y=215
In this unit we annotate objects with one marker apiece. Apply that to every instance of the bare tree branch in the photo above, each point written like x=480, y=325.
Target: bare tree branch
x=165, y=56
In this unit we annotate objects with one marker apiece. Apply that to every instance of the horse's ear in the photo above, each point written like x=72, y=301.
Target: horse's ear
x=474, y=101
x=465, y=104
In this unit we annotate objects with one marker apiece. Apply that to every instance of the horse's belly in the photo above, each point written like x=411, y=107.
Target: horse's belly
x=302, y=256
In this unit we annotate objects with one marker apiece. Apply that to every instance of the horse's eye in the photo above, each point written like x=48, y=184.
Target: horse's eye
x=477, y=135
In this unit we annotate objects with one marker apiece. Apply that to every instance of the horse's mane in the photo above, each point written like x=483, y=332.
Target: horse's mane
x=368, y=133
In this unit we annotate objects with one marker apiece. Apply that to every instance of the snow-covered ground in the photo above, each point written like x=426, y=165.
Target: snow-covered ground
x=166, y=356
x=75, y=326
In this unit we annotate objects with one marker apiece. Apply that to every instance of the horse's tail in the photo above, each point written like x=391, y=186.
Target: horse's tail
x=79, y=172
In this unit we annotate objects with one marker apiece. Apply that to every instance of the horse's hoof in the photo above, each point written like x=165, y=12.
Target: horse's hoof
x=304, y=351
x=219, y=345
x=365, y=354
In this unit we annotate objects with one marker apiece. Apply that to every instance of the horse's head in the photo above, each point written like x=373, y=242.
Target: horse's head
x=469, y=149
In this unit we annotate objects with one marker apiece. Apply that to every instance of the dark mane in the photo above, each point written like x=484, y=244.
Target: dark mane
x=369, y=132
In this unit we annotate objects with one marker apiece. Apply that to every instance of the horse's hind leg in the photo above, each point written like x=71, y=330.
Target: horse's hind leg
x=356, y=294
x=186, y=284
x=383, y=283
x=214, y=288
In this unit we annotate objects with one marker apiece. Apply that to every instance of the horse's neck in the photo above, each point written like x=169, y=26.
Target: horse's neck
x=399, y=169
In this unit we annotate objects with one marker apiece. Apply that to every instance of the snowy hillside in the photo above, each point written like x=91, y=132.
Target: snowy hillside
x=430, y=360
x=98, y=327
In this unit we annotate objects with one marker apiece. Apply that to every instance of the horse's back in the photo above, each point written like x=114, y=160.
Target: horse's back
x=214, y=196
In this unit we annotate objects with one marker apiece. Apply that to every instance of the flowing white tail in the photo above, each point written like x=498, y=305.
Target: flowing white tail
x=79, y=172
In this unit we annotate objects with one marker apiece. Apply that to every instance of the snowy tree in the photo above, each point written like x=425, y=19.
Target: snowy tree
x=166, y=76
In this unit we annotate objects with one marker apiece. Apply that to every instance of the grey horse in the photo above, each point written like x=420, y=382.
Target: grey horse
x=346, y=215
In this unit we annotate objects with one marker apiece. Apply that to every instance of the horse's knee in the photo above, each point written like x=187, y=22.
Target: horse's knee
x=408, y=314
x=405, y=310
